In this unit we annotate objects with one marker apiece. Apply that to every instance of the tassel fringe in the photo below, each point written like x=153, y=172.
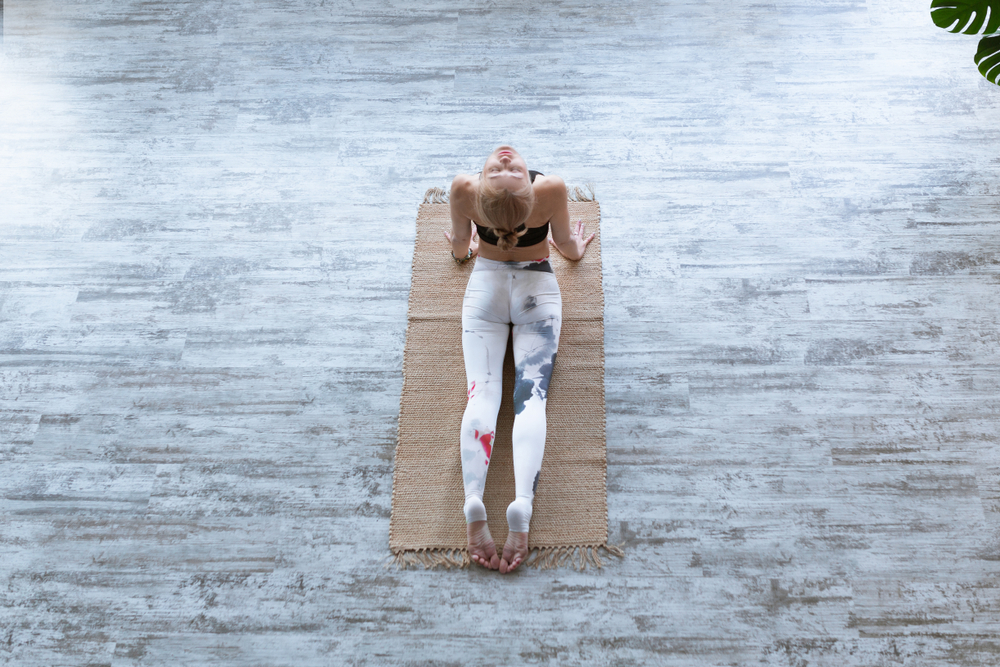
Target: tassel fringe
x=440, y=196
x=576, y=194
x=544, y=558
x=435, y=196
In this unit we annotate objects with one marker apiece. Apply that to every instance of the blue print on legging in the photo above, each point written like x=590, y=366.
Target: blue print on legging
x=532, y=375
x=542, y=266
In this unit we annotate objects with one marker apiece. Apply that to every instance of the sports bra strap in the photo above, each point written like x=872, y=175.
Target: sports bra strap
x=533, y=236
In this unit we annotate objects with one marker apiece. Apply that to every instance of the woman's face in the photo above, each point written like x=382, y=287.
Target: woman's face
x=506, y=169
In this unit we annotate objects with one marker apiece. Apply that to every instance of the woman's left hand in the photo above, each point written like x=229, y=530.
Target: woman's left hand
x=473, y=244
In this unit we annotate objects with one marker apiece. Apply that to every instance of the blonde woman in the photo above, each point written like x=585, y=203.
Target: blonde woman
x=510, y=210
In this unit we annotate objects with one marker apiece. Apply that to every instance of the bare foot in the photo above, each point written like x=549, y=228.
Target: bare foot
x=481, y=546
x=514, y=551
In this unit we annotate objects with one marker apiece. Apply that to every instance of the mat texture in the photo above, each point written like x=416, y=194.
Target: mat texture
x=569, y=524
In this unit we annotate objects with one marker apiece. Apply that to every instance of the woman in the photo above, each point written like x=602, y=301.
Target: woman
x=509, y=209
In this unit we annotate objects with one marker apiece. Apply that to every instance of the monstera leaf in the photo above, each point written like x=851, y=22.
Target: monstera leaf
x=968, y=14
x=988, y=58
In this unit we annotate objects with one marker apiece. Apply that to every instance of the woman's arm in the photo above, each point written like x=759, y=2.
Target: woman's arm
x=462, y=229
x=571, y=243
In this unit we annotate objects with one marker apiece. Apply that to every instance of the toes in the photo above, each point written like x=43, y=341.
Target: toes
x=490, y=563
x=509, y=566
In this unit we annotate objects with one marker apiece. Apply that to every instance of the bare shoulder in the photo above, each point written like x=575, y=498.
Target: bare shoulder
x=462, y=195
x=550, y=190
x=463, y=185
x=549, y=186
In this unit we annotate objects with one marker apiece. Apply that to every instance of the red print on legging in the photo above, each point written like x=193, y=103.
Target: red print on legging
x=472, y=389
x=487, y=441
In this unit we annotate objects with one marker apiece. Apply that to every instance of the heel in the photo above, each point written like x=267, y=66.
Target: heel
x=474, y=509
x=519, y=515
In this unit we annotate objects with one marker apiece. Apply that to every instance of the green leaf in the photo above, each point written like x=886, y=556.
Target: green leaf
x=988, y=58
x=969, y=14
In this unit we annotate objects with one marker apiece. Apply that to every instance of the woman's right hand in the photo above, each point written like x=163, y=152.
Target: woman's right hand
x=577, y=244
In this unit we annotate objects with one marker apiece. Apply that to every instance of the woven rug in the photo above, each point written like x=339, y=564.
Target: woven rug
x=569, y=523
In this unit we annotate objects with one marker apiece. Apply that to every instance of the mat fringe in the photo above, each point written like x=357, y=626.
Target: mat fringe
x=435, y=196
x=576, y=194
x=544, y=558
x=440, y=195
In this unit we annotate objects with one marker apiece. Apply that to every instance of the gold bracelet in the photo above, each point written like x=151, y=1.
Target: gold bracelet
x=464, y=259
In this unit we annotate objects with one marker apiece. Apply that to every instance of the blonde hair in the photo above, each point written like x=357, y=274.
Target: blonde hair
x=504, y=211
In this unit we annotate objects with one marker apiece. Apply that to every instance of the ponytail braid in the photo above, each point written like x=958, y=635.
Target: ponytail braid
x=504, y=211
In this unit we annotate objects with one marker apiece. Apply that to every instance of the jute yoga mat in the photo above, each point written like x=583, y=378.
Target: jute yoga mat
x=569, y=523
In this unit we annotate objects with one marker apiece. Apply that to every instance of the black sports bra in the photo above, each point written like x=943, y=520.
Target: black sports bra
x=533, y=236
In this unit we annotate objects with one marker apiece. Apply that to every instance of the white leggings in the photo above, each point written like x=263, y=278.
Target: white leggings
x=498, y=294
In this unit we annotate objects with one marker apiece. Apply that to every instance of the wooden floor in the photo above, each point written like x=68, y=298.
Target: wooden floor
x=206, y=224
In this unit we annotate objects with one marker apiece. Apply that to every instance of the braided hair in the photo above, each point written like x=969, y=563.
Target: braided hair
x=504, y=211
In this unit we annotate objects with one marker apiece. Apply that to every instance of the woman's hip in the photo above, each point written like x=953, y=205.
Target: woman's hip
x=512, y=292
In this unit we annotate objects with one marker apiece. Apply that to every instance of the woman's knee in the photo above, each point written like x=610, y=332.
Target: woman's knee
x=484, y=401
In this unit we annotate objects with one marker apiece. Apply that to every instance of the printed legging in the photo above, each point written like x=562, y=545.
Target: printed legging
x=498, y=294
